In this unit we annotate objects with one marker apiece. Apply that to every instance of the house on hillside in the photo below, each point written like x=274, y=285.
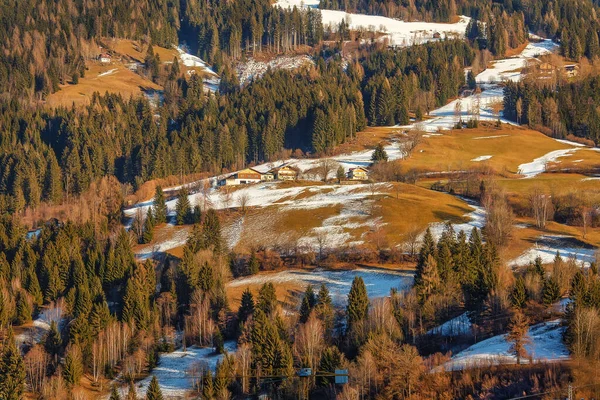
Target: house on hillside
x=285, y=173
x=268, y=176
x=358, y=174
x=105, y=58
x=243, y=177
x=570, y=70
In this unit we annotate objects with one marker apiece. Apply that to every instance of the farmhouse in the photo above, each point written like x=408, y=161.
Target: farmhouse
x=248, y=175
x=358, y=174
x=105, y=58
x=285, y=173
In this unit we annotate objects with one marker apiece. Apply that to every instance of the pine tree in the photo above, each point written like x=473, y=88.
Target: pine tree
x=550, y=291
x=23, y=309
x=183, y=208
x=267, y=298
x=114, y=393
x=12, y=369
x=340, y=174
x=131, y=392
x=207, y=385
x=309, y=301
x=519, y=294
x=379, y=154
x=154, y=392
x=358, y=302
x=253, y=264
x=211, y=232
x=159, y=208
x=428, y=248
x=53, y=341
x=73, y=368
x=246, y=307
x=331, y=359
x=148, y=230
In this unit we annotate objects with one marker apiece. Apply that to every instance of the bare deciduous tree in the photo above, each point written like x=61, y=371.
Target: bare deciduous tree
x=541, y=206
x=326, y=166
x=242, y=199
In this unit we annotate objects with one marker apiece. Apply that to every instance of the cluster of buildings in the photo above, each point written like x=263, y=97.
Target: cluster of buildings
x=285, y=172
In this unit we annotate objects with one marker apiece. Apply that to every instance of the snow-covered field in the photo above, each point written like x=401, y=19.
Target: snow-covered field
x=253, y=69
x=397, y=32
x=378, y=281
x=173, y=368
x=510, y=68
x=211, y=82
x=477, y=219
x=546, y=345
x=547, y=246
x=457, y=326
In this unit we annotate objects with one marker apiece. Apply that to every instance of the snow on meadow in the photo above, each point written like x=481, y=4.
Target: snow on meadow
x=174, y=370
x=546, y=247
x=476, y=219
x=211, y=80
x=458, y=326
x=481, y=158
x=397, y=32
x=510, y=68
x=538, y=165
x=379, y=282
x=546, y=346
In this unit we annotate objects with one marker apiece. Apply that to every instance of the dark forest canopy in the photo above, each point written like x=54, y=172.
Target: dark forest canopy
x=565, y=109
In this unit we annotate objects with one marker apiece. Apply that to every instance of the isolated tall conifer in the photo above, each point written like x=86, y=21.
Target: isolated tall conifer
x=358, y=302
x=159, y=208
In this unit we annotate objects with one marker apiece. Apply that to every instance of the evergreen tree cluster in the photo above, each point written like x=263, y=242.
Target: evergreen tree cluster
x=568, y=108
x=456, y=261
x=418, y=78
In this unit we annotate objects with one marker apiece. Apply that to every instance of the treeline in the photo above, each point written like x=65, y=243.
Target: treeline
x=418, y=78
x=45, y=43
x=428, y=10
x=566, y=109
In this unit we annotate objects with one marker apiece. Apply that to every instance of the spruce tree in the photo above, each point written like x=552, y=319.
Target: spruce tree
x=159, y=208
x=148, y=229
x=379, y=154
x=340, y=174
x=131, y=392
x=183, y=208
x=53, y=341
x=267, y=298
x=519, y=295
x=12, y=369
x=207, y=385
x=550, y=291
x=358, y=302
x=114, y=393
x=253, y=264
x=246, y=307
x=211, y=232
x=73, y=368
x=154, y=392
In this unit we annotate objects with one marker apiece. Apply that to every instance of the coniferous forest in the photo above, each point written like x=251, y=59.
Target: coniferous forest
x=90, y=305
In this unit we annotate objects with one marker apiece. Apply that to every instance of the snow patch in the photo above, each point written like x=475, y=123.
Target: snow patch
x=481, y=158
x=109, y=72
x=379, y=282
x=538, y=165
x=547, y=246
x=253, y=69
x=546, y=345
x=458, y=326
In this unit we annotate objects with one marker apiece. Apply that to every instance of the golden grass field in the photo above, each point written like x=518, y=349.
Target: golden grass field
x=509, y=147
x=118, y=79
